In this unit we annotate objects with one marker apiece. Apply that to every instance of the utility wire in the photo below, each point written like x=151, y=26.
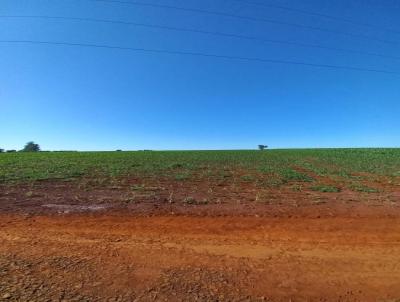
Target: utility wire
x=180, y=29
x=305, y=12
x=254, y=19
x=200, y=54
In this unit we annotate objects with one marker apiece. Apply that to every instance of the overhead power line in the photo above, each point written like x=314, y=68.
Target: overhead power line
x=200, y=54
x=305, y=12
x=248, y=18
x=198, y=31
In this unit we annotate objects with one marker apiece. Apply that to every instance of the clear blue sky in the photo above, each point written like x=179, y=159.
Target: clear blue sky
x=102, y=99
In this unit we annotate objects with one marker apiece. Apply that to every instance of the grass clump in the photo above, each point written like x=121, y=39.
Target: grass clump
x=181, y=177
x=174, y=166
x=193, y=201
x=297, y=188
x=247, y=178
x=137, y=187
x=326, y=189
x=293, y=175
x=363, y=188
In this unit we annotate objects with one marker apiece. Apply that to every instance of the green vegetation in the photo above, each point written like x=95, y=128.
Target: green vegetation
x=306, y=167
x=182, y=176
x=363, y=188
x=325, y=189
x=31, y=147
x=289, y=174
x=247, y=178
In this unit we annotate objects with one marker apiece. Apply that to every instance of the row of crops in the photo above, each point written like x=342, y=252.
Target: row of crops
x=294, y=163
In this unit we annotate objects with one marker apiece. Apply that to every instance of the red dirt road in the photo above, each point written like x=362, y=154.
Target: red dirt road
x=186, y=258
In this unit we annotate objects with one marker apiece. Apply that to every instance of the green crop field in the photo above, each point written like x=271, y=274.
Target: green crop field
x=273, y=167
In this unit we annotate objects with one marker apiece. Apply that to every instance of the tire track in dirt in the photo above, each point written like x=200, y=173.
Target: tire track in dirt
x=178, y=258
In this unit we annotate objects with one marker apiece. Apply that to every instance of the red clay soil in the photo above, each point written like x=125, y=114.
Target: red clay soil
x=332, y=247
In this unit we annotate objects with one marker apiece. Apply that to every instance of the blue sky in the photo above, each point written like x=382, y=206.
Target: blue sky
x=102, y=99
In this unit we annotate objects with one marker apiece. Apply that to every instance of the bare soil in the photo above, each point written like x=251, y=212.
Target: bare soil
x=182, y=242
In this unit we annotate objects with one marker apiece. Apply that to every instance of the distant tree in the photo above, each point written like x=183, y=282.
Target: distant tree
x=262, y=147
x=11, y=151
x=31, y=147
x=118, y=150
x=1, y=150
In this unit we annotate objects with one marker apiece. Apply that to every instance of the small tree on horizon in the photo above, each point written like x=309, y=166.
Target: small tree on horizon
x=1, y=150
x=31, y=147
x=262, y=147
